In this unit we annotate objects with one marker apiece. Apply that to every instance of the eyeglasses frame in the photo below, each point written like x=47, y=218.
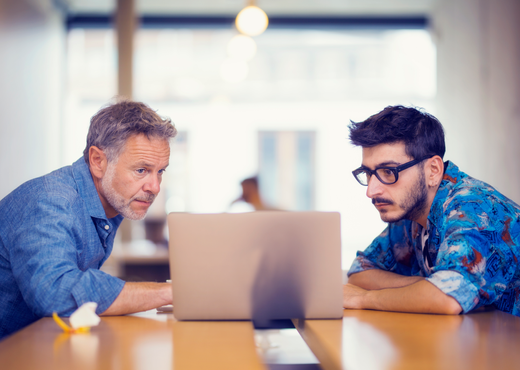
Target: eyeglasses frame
x=395, y=170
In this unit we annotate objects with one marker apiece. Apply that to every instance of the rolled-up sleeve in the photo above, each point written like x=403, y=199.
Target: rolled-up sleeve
x=361, y=263
x=390, y=251
x=454, y=284
x=97, y=286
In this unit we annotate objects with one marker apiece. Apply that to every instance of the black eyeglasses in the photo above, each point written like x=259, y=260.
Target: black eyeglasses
x=387, y=175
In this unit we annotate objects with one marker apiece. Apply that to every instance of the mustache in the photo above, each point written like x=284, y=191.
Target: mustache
x=145, y=198
x=381, y=200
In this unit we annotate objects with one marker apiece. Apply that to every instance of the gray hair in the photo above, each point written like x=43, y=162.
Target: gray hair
x=115, y=123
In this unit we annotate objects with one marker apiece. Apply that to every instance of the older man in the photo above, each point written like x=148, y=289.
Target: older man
x=452, y=242
x=57, y=230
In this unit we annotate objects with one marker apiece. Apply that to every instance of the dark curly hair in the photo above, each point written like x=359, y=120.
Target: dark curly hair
x=421, y=132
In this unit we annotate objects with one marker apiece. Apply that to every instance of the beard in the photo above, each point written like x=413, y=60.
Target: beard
x=118, y=201
x=414, y=204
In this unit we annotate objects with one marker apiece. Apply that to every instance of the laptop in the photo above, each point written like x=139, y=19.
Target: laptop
x=266, y=265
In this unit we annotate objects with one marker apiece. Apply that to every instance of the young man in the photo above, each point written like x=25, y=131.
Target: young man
x=57, y=230
x=452, y=242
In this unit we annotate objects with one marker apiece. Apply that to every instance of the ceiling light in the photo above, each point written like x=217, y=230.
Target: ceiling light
x=251, y=21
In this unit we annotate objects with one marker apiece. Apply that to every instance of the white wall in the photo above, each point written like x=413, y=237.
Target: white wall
x=31, y=70
x=478, y=88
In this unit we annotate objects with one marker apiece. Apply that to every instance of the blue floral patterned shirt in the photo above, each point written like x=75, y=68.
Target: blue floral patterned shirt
x=471, y=251
x=54, y=237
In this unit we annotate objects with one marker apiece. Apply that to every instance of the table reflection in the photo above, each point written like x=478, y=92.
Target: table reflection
x=128, y=342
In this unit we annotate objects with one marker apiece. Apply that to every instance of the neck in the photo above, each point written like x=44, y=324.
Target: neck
x=109, y=210
x=256, y=202
x=423, y=218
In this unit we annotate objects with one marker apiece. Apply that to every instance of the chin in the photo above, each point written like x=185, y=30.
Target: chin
x=385, y=217
x=133, y=215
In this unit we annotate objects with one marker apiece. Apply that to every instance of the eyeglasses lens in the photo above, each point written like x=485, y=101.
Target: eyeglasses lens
x=362, y=177
x=385, y=175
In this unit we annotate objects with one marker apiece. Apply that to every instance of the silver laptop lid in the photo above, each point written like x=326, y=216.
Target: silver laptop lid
x=259, y=265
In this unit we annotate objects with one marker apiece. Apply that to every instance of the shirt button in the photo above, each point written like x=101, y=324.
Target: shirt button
x=107, y=227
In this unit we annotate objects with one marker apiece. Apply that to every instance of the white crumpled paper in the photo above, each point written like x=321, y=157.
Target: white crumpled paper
x=85, y=316
x=81, y=320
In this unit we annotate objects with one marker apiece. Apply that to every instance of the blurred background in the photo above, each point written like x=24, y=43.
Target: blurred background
x=274, y=106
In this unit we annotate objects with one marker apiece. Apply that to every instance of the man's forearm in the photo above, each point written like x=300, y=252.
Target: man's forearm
x=137, y=297
x=380, y=279
x=420, y=297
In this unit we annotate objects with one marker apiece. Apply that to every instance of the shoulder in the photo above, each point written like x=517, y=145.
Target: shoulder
x=56, y=190
x=61, y=183
x=57, y=184
x=468, y=200
x=470, y=190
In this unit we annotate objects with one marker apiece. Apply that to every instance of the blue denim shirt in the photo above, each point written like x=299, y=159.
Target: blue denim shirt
x=472, y=251
x=54, y=237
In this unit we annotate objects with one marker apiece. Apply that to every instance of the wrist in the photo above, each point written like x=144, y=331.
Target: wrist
x=362, y=299
x=166, y=293
x=367, y=299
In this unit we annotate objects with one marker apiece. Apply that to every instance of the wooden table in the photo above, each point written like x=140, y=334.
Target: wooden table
x=143, y=341
x=387, y=340
x=362, y=340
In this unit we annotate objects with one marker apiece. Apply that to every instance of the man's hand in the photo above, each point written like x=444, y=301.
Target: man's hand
x=353, y=296
x=420, y=297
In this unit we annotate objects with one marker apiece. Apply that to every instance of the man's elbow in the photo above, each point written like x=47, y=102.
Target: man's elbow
x=451, y=306
x=351, y=279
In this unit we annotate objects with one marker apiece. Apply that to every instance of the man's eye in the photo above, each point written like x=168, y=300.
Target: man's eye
x=140, y=171
x=162, y=171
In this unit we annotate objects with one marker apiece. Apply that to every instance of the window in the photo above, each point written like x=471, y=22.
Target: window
x=286, y=169
x=282, y=114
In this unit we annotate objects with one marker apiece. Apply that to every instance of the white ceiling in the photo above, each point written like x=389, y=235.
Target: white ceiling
x=271, y=7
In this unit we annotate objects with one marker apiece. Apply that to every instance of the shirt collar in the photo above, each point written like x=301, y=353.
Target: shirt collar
x=88, y=192
x=452, y=176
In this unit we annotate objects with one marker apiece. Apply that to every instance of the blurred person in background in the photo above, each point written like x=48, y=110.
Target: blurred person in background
x=56, y=231
x=251, y=195
x=452, y=242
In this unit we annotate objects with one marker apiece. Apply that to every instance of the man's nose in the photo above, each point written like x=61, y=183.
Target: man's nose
x=374, y=187
x=153, y=185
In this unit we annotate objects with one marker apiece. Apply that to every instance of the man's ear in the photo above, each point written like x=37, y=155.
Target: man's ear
x=435, y=171
x=98, y=162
